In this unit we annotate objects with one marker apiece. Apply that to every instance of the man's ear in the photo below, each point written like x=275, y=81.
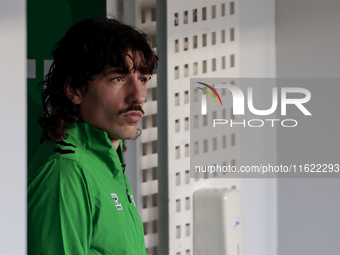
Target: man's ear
x=72, y=94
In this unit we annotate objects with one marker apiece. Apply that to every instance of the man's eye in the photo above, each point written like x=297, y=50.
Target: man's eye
x=117, y=79
x=145, y=79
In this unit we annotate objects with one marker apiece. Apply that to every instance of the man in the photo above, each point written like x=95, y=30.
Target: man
x=79, y=198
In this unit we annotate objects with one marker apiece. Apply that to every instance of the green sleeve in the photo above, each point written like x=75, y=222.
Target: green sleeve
x=59, y=210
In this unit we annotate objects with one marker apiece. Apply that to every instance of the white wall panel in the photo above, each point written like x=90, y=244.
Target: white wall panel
x=258, y=60
x=13, y=127
x=308, y=35
x=179, y=219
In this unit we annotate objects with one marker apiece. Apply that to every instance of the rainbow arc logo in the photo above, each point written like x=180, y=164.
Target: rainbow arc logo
x=204, y=96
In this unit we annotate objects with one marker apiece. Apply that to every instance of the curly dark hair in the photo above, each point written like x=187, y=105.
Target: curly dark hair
x=85, y=50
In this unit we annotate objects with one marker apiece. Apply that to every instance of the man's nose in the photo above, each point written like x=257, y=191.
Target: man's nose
x=136, y=90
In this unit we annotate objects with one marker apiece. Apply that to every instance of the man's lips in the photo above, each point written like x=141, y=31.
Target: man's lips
x=133, y=116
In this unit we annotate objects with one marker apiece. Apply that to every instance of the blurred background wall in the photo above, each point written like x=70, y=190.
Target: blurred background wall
x=307, y=46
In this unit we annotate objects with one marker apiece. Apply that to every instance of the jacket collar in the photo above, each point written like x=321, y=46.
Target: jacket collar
x=91, y=138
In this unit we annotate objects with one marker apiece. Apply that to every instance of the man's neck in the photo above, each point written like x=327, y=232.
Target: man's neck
x=115, y=143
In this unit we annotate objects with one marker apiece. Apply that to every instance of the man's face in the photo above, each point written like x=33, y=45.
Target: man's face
x=114, y=100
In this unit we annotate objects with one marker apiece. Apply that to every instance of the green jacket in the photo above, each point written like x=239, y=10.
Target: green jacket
x=79, y=198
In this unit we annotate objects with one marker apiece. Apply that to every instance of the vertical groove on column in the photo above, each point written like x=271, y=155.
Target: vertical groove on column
x=162, y=123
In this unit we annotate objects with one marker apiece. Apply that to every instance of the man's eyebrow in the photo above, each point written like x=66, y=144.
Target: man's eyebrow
x=118, y=70
x=144, y=71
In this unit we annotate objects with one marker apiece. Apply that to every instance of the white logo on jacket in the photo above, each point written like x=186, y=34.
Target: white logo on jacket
x=115, y=198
